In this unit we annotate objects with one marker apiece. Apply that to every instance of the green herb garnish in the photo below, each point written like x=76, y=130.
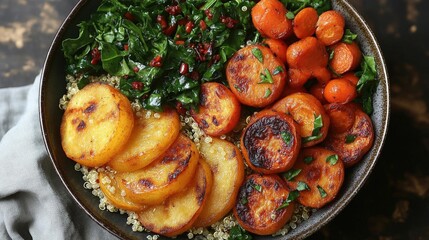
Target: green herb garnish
x=322, y=192
x=238, y=233
x=291, y=174
x=308, y=159
x=367, y=83
x=293, y=195
x=290, y=15
x=349, y=36
x=317, y=126
x=302, y=186
x=257, y=187
x=287, y=137
x=277, y=70
x=266, y=77
x=258, y=54
x=350, y=138
x=267, y=93
x=332, y=159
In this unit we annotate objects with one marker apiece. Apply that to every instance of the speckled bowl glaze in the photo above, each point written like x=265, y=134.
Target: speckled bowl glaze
x=53, y=86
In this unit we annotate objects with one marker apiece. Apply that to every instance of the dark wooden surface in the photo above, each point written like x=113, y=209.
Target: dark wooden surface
x=394, y=203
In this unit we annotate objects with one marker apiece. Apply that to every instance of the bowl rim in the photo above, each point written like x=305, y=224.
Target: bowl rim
x=345, y=199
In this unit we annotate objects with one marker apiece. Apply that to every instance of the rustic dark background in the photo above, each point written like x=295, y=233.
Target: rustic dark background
x=394, y=203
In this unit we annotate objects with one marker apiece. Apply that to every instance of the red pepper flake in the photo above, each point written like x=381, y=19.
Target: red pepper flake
x=126, y=47
x=161, y=21
x=203, y=25
x=170, y=30
x=184, y=68
x=137, y=85
x=129, y=16
x=96, y=56
x=189, y=26
x=136, y=69
x=182, y=21
x=156, y=62
x=209, y=14
x=173, y=10
x=180, y=109
x=228, y=21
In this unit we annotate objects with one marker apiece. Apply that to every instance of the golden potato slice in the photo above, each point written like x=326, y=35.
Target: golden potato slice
x=179, y=212
x=150, y=138
x=96, y=124
x=168, y=175
x=116, y=196
x=227, y=166
x=318, y=175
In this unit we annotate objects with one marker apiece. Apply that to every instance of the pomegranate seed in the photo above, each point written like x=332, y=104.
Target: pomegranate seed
x=96, y=56
x=189, y=26
x=180, y=42
x=156, y=62
x=184, y=68
x=203, y=25
x=228, y=21
x=161, y=21
x=126, y=47
x=173, y=10
x=137, y=85
x=209, y=14
x=136, y=69
x=170, y=30
x=182, y=21
x=180, y=109
x=129, y=16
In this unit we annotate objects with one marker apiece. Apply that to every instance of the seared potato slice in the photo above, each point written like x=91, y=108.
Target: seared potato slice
x=270, y=143
x=310, y=115
x=353, y=143
x=96, y=124
x=262, y=205
x=320, y=176
x=168, y=175
x=177, y=214
x=256, y=76
x=219, y=109
x=116, y=196
x=226, y=164
x=150, y=138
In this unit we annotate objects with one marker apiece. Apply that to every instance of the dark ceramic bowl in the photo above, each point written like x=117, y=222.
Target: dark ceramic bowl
x=53, y=87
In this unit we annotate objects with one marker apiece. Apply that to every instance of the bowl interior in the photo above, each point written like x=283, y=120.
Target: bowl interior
x=53, y=86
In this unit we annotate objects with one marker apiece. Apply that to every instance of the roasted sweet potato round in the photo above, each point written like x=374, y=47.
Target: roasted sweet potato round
x=262, y=204
x=352, y=144
x=177, y=214
x=96, y=124
x=153, y=184
x=310, y=115
x=227, y=166
x=256, y=76
x=320, y=176
x=116, y=196
x=150, y=138
x=270, y=143
x=219, y=109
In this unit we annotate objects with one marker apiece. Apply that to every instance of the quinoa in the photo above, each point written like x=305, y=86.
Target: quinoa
x=219, y=230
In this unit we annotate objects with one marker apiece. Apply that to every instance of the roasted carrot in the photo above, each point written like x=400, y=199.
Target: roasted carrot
x=310, y=115
x=319, y=175
x=297, y=77
x=340, y=91
x=346, y=57
x=352, y=144
x=351, y=76
x=304, y=23
x=271, y=142
x=269, y=18
x=279, y=48
x=330, y=27
x=256, y=76
x=342, y=117
x=317, y=91
x=264, y=204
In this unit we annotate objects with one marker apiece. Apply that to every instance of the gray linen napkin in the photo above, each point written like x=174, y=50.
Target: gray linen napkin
x=33, y=202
